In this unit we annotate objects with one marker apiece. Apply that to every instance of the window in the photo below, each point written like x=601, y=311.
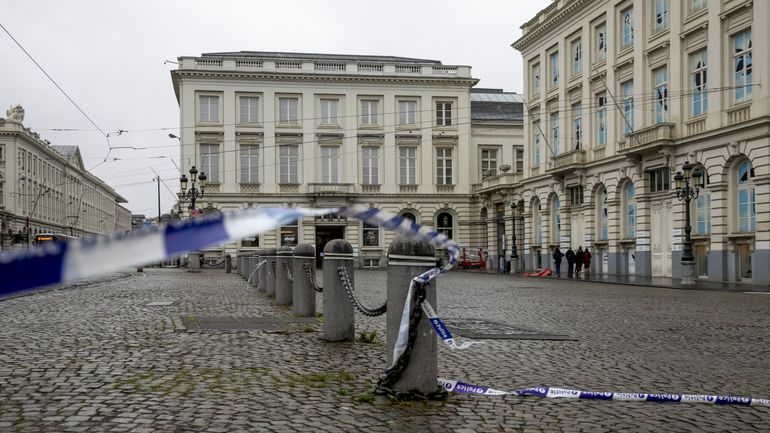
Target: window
x=554, y=62
x=603, y=213
x=287, y=111
x=742, y=59
x=536, y=130
x=536, y=78
x=330, y=111
x=2, y=153
x=330, y=164
x=600, y=33
x=601, y=119
x=209, y=108
x=444, y=224
x=444, y=113
x=628, y=106
x=628, y=27
x=700, y=96
x=2, y=194
x=290, y=234
x=575, y=195
x=537, y=225
x=371, y=235
x=210, y=162
x=250, y=242
x=407, y=113
x=660, y=18
x=747, y=212
x=249, y=163
x=288, y=155
x=703, y=206
x=444, y=166
x=519, y=155
x=555, y=220
x=249, y=109
x=661, y=94
x=555, y=133
x=370, y=158
x=577, y=56
x=407, y=157
x=696, y=5
x=370, y=109
x=488, y=162
x=630, y=205
x=577, y=126
x=660, y=180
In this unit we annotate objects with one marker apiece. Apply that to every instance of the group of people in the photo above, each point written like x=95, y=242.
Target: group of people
x=577, y=261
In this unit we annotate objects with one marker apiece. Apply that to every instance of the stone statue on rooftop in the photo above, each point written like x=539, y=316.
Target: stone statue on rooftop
x=15, y=113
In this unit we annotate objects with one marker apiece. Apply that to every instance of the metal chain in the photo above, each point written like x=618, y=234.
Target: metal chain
x=385, y=384
x=288, y=272
x=272, y=266
x=310, y=273
x=342, y=271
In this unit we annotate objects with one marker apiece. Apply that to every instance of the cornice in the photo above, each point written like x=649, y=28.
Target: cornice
x=565, y=14
x=263, y=76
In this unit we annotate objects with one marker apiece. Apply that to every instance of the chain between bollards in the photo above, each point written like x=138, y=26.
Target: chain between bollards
x=289, y=276
x=342, y=271
x=309, y=272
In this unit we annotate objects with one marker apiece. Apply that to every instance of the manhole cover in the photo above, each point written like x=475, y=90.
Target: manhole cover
x=160, y=303
x=230, y=323
x=479, y=329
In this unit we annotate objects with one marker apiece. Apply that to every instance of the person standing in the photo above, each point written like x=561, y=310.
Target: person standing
x=579, y=258
x=557, y=255
x=570, y=255
x=587, y=262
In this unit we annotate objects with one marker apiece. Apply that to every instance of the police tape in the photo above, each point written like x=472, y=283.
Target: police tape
x=550, y=392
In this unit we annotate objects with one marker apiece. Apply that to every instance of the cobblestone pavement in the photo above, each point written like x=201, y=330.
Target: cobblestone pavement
x=98, y=358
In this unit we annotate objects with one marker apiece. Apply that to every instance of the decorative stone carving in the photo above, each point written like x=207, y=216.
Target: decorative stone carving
x=505, y=168
x=15, y=113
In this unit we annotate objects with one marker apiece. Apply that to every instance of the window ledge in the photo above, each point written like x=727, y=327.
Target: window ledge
x=627, y=241
x=329, y=126
x=738, y=235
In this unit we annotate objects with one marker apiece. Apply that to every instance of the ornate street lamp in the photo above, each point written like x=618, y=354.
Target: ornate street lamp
x=685, y=192
x=514, y=253
x=193, y=193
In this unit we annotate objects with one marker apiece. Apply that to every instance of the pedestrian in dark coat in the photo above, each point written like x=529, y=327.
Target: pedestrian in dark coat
x=579, y=259
x=557, y=255
x=570, y=255
x=587, y=261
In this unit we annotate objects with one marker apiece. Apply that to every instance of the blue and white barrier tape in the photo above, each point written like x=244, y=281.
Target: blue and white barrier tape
x=549, y=392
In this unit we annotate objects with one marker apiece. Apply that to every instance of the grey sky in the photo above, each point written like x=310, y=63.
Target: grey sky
x=108, y=56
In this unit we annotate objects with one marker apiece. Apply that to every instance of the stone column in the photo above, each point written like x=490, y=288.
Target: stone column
x=283, y=287
x=194, y=262
x=303, y=291
x=406, y=259
x=339, y=320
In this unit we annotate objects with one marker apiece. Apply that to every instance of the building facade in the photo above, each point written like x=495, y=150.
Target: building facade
x=45, y=188
x=619, y=95
x=322, y=130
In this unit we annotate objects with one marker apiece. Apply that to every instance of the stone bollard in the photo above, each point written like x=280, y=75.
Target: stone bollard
x=228, y=264
x=283, y=286
x=408, y=258
x=194, y=262
x=140, y=269
x=338, y=324
x=261, y=274
x=303, y=291
x=269, y=257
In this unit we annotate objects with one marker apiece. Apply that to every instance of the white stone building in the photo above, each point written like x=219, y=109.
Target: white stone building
x=45, y=188
x=323, y=130
x=619, y=95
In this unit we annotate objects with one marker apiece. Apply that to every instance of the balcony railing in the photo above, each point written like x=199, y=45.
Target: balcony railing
x=572, y=157
x=696, y=126
x=330, y=188
x=738, y=114
x=662, y=133
x=499, y=180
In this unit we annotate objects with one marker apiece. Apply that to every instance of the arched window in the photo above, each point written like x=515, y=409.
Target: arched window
x=444, y=224
x=703, y=205
x=409, y=215
x=537, y=223
x=556, y=219
x=629, y=204
x=602, y=213
x=747, y=212
x=484, y=232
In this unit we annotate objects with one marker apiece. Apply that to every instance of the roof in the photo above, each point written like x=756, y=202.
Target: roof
x=315, y=56
x=67, y=151
x=495, y=104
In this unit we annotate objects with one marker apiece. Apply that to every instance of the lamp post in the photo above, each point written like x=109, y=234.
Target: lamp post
x=685, y=192
x=514, y=253
x=193, y=193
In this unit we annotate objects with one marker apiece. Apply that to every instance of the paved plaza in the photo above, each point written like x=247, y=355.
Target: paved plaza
x=113, y=355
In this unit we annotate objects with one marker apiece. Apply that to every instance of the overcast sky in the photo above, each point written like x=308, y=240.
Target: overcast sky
x=108, y=56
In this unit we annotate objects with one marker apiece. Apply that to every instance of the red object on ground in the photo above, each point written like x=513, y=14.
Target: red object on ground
x=544, y=273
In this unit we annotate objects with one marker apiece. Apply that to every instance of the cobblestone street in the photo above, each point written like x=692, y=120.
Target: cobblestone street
x=97, y=357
